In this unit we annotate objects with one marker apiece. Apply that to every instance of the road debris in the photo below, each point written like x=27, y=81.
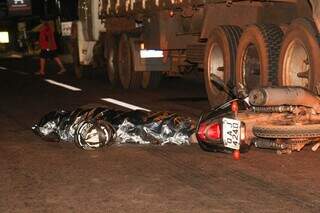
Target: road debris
x=95, y=128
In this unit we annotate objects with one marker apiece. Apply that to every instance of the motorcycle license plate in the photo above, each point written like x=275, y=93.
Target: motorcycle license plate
x=231, y=133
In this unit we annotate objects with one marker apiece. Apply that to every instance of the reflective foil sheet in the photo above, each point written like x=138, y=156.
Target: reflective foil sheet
x=95, y=128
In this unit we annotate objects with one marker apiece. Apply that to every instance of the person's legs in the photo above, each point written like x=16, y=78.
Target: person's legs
x=42, y=65
x=58, y=61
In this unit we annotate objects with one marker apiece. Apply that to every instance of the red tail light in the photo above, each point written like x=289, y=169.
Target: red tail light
x=201, y=132
x=209, y=131
x=234, y=106
x=213, y=132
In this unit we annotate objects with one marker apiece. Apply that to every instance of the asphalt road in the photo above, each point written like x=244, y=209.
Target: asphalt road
x=38, y=176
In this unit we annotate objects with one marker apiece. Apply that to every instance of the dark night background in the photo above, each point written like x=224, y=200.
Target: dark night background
x=67, y=11
x=41, y=9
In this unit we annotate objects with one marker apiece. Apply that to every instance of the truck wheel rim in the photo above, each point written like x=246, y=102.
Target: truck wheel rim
x=251, y=67
x=111, y=71
x=296, y=67
x=216, y=64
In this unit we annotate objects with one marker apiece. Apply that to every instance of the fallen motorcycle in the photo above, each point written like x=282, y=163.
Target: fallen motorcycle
x=280, y=118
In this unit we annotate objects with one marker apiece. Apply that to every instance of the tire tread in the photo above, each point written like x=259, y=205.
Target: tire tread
x=290, y=131
x=273, y=36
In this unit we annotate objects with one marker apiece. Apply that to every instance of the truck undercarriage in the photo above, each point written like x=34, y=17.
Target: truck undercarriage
x=253, y=43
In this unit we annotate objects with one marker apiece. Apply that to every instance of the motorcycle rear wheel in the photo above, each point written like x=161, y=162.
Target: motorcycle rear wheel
x=287, y=131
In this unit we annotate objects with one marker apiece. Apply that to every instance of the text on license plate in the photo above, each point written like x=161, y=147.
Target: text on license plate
x=231, y=133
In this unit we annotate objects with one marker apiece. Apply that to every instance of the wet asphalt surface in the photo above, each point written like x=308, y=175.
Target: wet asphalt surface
x=38, y=176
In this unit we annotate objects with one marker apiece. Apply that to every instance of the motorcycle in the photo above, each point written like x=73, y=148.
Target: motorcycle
x=284, y=119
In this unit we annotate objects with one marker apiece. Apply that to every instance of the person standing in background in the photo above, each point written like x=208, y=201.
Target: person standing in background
x=48, y=48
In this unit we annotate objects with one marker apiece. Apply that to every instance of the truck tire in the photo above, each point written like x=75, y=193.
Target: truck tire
x=128, y=77
x=258, y=56
x=287, y=131
x=111, y=48
x=299, y=55
x=151, y=80
x=78, y=69
x=219, y=60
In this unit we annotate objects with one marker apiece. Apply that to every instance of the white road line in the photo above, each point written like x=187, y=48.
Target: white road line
x=3, y=68
x=18, y=72
x=123, y=104
x=62, y=85
x=21, y=73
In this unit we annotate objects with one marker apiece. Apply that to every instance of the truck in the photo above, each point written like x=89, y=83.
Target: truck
x=248, y=43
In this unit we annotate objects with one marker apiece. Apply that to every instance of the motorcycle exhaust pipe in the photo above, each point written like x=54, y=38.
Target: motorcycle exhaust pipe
x=277, y=96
